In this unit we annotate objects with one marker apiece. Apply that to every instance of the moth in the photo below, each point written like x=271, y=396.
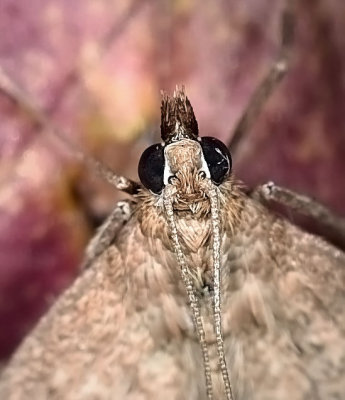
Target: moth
x=193, y=289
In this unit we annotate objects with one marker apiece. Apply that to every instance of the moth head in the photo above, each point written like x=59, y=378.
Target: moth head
x=183, y=160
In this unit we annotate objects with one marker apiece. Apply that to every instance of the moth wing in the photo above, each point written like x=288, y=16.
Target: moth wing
x=288, y=314
x=106, y=337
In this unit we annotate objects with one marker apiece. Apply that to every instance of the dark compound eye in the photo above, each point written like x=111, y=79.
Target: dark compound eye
x=217, y=157
x=151, y=168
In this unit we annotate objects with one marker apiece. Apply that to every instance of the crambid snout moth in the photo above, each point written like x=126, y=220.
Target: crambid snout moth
x=193, y=290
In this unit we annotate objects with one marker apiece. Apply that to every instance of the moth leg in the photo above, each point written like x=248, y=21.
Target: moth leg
x=13, y=92
x=269, y=82
x=107, y=232
x=303, y=205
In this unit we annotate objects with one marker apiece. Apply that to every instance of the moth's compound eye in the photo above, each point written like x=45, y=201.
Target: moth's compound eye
x=217, y=157
x=151, y=168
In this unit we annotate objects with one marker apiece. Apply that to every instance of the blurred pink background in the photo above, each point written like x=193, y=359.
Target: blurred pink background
x=97, y=67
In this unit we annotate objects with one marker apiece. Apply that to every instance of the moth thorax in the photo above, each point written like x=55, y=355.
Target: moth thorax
x=190, y=288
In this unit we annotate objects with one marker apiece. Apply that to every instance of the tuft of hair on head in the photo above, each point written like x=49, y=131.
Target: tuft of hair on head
x=177, y=117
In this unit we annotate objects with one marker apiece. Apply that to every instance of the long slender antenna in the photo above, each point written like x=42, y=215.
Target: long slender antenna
x=194, y=304
x=270, y=81
x=12, y=91
x=215, y=220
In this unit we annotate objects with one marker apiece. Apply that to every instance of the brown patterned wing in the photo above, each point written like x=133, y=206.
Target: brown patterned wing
x=115, y=334
x=124, y=329
x=286, y=311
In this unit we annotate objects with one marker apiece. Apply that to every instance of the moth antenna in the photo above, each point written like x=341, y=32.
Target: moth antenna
x=215, y=220
x=194, y=304
x=13, y=92
x=270, y=81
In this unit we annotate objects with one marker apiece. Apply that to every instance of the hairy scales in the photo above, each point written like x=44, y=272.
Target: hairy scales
x=124, y=329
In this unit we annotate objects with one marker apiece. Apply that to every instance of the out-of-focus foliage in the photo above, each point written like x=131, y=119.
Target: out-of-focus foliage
x=97, y=67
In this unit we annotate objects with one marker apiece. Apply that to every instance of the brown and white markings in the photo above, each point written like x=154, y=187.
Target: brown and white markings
x=128, y=329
